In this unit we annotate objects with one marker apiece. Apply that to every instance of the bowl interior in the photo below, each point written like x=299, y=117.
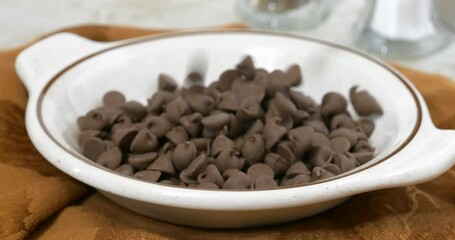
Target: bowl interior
x=133, y=69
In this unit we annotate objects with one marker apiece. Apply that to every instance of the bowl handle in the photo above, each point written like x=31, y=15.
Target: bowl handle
x=38, y=63
x=429, y=154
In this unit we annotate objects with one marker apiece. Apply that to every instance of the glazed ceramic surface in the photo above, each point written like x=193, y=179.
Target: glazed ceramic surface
x=67, y=75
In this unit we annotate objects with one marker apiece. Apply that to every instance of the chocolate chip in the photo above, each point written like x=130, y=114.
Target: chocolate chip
x=91, y=121
x=234, y=126
x=287, y=150
x=321, y=156
x=318, y=126
x=346, y=133
x=190, y=174
x=341, y=120
x=363, y=146
x=261, y=77
x=246, y=68
x=228, y=158
x=345, y=162
x=253, y=149
x=202, y=144
x=260, y=169
x=273, y=132
x=231, y=172
x=192, y=123
x=159, y=126
x=301, y=101
x=212, y=175
x=113, y=99
x=364, y=104
x=206, y=185
x=202, y=104
x=319, y=140
x=221, y=143
x=296, y=169
x=84, y=135
x=148, y=175
x=363, y=157
x=123, y=137
x=251, y=90
x=183, y=155
x=298, y=179
x=227, y=78
x=160, y=99
x=215, y=121
x=249, y=109
x=166, y=83
x=108, y=144
x=229, y=101
x=110, y=158
x=340, y=144
x=122, y=121
x=238, y=181
x=256, y=127
x=367, y=126
x=320, y=173
x=176, y=109
x=293, y=76
x=333, y=168
x=92, y=148
x=163, y=164
x=143, y=142
x=142, y=161
x=177, y=135
x=264, y=182
x=301, y=137
x=277, y=163
x=332, y=104
x=125, y=169
x=134, y=110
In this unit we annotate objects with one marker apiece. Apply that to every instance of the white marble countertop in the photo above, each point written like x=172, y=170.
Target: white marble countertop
x=23, y=20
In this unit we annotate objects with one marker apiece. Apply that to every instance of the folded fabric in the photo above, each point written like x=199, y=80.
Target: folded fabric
x=39, y=201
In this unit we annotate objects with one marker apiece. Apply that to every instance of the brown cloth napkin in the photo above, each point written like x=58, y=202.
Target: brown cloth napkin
x=39, y=201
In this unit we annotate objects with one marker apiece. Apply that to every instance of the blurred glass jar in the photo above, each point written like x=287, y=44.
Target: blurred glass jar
x=402, y=29
x=283, y=14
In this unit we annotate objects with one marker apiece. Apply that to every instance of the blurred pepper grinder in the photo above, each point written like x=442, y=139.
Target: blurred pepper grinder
x=400, y=29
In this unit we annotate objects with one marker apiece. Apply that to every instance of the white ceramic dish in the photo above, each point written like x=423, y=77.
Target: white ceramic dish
x=66, y=75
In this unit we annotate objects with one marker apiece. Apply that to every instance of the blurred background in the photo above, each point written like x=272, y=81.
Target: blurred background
x=415, y=33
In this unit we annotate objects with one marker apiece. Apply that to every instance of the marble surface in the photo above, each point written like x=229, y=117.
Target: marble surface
x=23, y=20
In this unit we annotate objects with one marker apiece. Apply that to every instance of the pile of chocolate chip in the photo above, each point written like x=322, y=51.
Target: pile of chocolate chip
x=248, y=130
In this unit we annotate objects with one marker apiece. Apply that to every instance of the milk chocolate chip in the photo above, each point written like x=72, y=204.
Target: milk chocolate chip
x=110, y=159
x=166, y=83
x=125, y=169
x=273, y=132
x=142, y=161
x=264, y=182
x=246, y=68
x=332, y=104
x=123, y=138
x=92, y=148
x=177, y=135
x=163, y=164
x=212, y=175
x=143, y=142
x=183, y=155
x=148, y=175
x=277, y=163
x=221, y=143
x=253, y=149
x=364, y=104
x=113, y=99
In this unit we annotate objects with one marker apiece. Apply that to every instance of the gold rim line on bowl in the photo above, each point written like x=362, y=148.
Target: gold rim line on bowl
x=236, y=31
